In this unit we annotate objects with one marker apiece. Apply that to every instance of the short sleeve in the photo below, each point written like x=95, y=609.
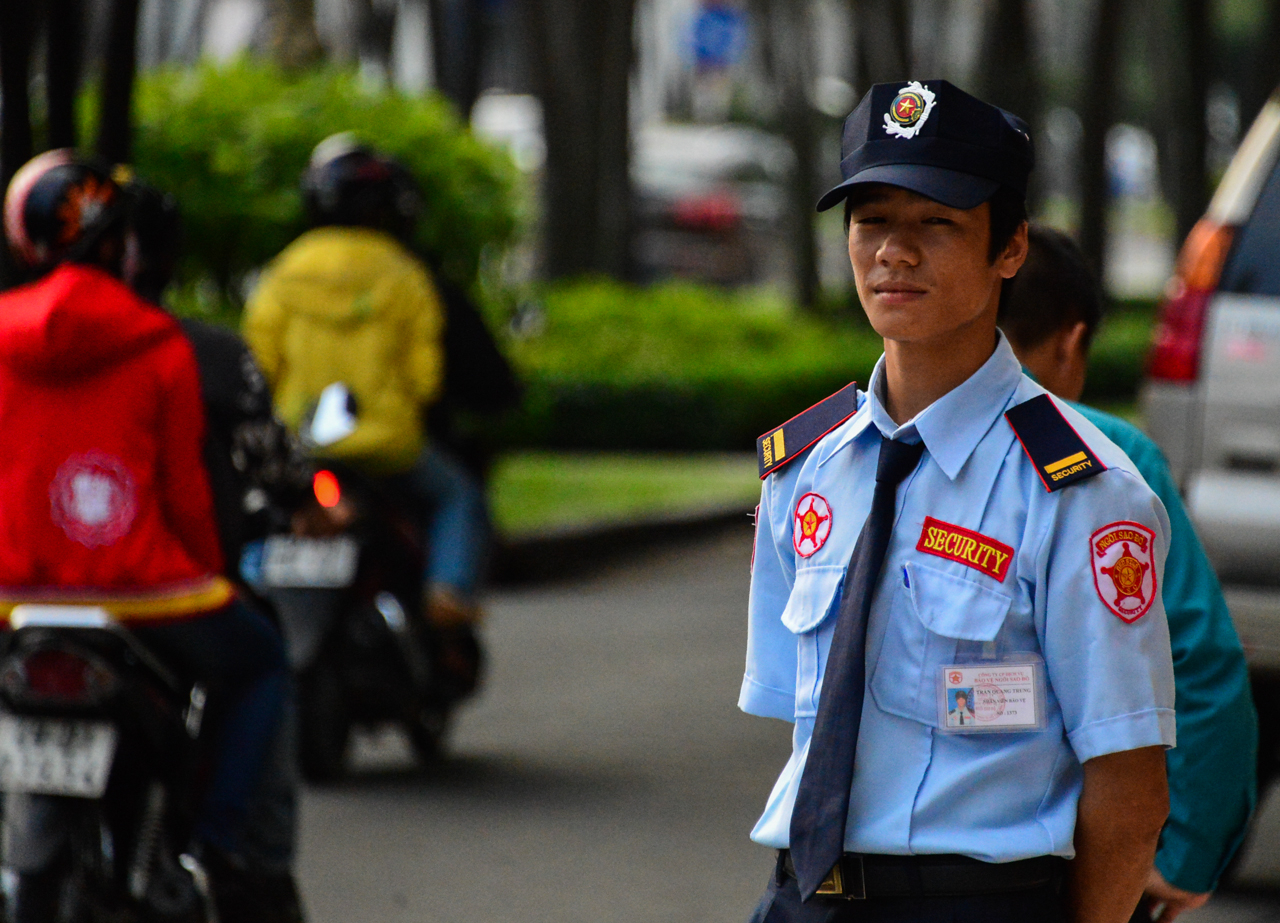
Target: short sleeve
x=1106, y=639
x=769, y=684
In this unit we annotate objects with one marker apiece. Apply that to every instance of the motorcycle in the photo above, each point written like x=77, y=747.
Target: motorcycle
x=100, y=756
x=345, y=581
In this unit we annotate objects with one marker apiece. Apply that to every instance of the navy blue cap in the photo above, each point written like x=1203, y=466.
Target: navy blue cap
x=935, y=139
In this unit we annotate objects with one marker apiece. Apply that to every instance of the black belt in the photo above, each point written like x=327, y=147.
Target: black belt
x=858, y=876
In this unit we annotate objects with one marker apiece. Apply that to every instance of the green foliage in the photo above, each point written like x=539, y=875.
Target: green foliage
x=688, y=368
x=683, y=367
x=231, y=142
x=1119, y=353
x=537, y=491
x=675, y=367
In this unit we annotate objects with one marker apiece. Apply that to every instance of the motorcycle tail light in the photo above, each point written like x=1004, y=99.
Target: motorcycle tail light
x=327, y=489
x=57, y=676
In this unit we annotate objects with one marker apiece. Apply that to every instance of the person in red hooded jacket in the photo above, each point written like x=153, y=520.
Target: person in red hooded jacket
x=104, y=495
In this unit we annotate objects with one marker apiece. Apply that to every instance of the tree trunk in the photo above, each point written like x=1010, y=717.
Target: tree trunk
x=883, y=33
x=15, y=110
x=1184, y=136
x=291, y=37
x=458, y=42
x=1096, y=111
x=375, y=32
x=188, y=33
x=1007, y=74
x=793, y=54
x=1264, y=72
x=581, y=52
x=115, y=122
x=16, y=27
x=65, y=29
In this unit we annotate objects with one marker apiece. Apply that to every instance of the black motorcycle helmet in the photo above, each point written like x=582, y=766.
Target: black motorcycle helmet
x=351, y=185
x=153, y=235
x=59, y=208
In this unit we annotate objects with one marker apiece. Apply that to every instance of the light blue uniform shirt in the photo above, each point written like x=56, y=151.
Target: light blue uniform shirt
x=996, y=796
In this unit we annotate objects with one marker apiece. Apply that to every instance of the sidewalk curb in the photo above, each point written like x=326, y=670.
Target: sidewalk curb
x=561, y=553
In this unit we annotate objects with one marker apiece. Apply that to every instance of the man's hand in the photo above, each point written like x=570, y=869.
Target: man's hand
x=1168, y=902
x=1123, y=804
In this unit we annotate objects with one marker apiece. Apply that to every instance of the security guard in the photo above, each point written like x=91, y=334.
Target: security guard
x=955, y=527
x=1050, y=312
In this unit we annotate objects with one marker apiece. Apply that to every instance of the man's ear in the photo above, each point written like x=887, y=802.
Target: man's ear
x=1014, y=254
x=1073, y=342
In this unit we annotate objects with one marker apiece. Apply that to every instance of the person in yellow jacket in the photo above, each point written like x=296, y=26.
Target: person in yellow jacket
x=348, y=328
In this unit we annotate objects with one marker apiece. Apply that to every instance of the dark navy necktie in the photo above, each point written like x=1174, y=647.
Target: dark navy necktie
x=822, y=801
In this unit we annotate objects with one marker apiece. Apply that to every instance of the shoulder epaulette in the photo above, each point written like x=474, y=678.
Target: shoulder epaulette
x=1060, y=456
x=788, y=441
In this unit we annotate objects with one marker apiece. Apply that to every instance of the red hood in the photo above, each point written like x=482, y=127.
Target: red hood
x=75, y=320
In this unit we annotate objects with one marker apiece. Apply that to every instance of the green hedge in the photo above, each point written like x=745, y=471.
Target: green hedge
x=682, y=367
x=675, y=366
x=230, y=142
x=1119, y=354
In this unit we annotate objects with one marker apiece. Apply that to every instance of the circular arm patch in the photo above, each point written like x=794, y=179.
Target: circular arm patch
x=812, y=524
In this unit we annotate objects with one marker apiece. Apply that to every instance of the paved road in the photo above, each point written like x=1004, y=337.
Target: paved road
x=605, y=777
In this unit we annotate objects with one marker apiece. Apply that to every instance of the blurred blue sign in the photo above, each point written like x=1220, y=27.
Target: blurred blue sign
x=719, y=36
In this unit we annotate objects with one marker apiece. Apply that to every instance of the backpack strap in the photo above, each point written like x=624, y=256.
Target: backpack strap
x=782, y=445
x=1059, y=455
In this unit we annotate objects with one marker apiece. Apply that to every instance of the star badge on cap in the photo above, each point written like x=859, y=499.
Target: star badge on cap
x=909, y=110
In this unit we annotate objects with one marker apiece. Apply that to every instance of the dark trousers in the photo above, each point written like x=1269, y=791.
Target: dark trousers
x=781, y=904
x=240, y=654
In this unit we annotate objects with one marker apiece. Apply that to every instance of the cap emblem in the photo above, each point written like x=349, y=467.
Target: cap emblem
x=909, y=110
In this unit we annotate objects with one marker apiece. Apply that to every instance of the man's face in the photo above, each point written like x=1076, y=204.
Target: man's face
x=922, y=268
x=962, y=702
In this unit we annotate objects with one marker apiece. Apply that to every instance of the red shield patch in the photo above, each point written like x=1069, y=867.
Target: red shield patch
x=812, y=524
x=1124, y=568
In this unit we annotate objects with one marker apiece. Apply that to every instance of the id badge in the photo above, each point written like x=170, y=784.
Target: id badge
x=1001, y=695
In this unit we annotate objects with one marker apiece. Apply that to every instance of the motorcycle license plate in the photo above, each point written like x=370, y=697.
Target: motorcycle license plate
x=55, y=756
x=288, y=561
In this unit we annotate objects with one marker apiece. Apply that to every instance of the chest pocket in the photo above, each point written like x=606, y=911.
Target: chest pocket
x=932, y=613
x=813, y=598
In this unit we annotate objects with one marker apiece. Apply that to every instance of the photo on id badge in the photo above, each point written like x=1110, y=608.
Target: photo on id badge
x=1005, y=694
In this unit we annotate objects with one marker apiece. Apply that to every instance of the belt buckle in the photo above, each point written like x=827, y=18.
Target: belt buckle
x=847, y=879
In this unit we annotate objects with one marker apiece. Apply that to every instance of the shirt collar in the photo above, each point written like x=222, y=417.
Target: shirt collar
x=953, y=425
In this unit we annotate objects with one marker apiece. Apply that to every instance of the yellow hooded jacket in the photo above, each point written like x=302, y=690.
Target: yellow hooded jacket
x=351, y=306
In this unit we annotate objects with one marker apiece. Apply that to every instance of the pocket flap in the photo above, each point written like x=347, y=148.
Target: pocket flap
x=955, y=607
x=811, y=597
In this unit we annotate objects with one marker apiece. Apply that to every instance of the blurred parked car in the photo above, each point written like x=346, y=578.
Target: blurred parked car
x=1212, y=398
x=709, y=200
x=710, y=203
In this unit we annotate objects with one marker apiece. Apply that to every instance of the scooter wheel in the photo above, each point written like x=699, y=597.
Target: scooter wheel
x=36, y=895
x=324, y=724
x=428, y=731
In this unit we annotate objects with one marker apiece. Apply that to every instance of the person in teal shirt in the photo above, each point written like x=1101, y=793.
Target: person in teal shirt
x=1049, y=312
